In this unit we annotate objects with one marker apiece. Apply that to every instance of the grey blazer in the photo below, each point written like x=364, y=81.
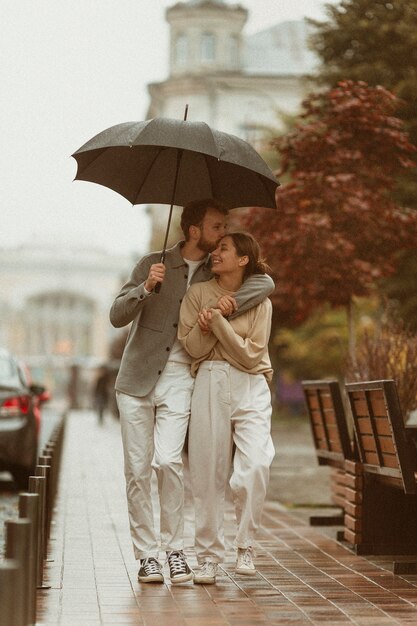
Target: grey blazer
x=155, y=316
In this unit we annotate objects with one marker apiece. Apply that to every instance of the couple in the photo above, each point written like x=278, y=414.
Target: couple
x=219, y=343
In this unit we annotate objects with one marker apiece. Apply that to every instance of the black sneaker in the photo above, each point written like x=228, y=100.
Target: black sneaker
x=150, y=571
x=179, y=572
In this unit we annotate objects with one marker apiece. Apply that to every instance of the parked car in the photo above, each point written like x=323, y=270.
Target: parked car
x=20, y=418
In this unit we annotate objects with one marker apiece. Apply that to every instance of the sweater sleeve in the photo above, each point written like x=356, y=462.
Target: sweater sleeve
x=197, y=344
x=255, y=288
x=247, y=351
x=132, y=296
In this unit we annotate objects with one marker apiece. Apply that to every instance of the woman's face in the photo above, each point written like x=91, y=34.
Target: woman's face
x=225, y=258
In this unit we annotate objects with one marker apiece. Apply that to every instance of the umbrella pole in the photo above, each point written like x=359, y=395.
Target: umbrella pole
x=179, y=156
x=157, y=287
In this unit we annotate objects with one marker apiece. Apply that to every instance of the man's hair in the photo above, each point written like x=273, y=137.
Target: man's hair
x=194, y=213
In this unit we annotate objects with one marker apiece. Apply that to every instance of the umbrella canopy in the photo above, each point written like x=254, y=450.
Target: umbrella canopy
x=146, y=162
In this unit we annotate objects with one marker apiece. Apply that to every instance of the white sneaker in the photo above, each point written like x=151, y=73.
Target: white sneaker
x=206, y=575
x=244, y=563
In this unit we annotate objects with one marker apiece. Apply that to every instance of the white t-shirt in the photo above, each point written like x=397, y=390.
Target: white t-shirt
x=178, y=354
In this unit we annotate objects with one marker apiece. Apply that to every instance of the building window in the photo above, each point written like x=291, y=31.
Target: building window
x=208, y=47
x=234, y=50
x=181, y=49
x=254, y=134
x=59, y=323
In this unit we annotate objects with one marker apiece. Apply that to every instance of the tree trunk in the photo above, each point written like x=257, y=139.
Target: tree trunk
x=351, y=331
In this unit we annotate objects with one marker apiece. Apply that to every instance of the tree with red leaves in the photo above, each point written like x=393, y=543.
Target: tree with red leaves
x=336, y=230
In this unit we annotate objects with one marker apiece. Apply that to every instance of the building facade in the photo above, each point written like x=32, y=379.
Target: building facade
x=54, y=301
x=238, y=83
x=54, y=306
x=235, y=82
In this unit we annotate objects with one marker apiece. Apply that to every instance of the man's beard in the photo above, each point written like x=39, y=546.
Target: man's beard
x=206, y=246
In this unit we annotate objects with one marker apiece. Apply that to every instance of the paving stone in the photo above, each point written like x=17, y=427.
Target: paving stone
x=305, y=576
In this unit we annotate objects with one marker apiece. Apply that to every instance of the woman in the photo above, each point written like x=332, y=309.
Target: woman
x=231, y=404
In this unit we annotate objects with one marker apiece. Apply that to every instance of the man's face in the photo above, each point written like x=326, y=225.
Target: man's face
x=212, y=229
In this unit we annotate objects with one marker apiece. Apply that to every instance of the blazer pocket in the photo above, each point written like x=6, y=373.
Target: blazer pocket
x=154, y=320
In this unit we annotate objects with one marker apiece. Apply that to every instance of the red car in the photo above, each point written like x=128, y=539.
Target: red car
x=20, y=416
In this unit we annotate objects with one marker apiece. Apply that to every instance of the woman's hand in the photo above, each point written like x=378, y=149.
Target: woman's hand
x=226, y=305
x=204, y=320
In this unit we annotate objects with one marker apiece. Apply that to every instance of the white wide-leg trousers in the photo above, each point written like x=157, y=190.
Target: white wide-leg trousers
x=153, y=433
x=228, y=406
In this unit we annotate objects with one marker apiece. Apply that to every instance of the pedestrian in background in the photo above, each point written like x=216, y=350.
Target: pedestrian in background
x=101, y=393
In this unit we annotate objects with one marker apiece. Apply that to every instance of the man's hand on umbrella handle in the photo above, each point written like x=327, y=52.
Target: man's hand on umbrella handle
x=226, y=305
x=156, y=275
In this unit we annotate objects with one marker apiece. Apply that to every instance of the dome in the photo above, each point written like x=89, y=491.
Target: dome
x=206, y=37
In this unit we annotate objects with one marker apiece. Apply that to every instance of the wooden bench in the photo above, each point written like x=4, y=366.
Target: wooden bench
x=381, y=516
x=331, y=438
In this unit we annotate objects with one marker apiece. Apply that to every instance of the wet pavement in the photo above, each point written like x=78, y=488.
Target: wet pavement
x=304, y=575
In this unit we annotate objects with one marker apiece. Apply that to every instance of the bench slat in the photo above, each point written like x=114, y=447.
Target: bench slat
x=380, y=433
x=328, y=416
x=386, y=443
x=382, y=426
x=388, y=460
x=377, y=402
x=328, y=422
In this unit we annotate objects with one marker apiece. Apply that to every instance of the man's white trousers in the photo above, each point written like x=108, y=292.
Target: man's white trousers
x=153, y=433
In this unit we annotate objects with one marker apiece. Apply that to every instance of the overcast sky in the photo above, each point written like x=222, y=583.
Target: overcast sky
x=69, y=69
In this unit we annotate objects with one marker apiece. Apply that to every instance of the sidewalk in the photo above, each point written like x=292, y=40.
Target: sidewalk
x=305, y=577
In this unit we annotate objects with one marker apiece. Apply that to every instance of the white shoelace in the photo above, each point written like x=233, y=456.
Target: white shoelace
x=151, y=566
x=208, y=569
x=177, y=564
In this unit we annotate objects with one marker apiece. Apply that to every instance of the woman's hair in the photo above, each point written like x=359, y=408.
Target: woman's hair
x=246, y=245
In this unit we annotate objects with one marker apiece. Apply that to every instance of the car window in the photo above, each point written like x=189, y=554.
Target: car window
x=9, y=376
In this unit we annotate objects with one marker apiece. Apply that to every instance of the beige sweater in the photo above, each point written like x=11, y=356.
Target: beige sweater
x=242, y=341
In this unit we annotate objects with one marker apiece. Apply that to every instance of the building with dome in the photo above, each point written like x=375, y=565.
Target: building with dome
x=238, y=83
x=235, y=82
x=54, y=301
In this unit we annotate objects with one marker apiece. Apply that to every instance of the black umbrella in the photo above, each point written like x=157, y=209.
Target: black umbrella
x=170, y=161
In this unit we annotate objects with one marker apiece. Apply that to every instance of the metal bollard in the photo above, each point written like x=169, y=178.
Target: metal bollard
x=46, y=461
x=17, y=547
x=9, y=576
x=44, y=471
x=37, y=485
x=29, y=508
x=51, y=451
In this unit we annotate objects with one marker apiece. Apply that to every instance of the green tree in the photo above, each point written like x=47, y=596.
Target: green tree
x=315, y=349
x=373, y=41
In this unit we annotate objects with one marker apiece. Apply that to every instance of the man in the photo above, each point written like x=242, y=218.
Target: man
x=101, y=393
x=154, y=383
